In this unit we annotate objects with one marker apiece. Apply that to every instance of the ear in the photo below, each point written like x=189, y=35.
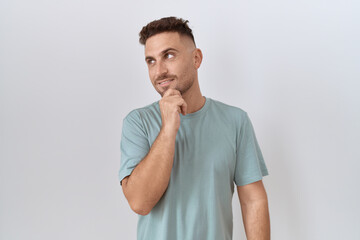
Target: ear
x=197, y=58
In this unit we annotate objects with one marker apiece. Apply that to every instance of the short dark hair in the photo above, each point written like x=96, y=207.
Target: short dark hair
x=166, y=24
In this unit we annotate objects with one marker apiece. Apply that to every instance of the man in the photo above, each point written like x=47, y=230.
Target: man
x=181, y=155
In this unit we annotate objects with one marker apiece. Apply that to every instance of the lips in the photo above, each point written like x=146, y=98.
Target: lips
x=165, y=82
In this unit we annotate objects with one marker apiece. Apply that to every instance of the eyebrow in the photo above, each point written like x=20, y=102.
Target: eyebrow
x=162, y=53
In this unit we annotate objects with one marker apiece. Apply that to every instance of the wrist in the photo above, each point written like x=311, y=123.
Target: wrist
x=168, y=131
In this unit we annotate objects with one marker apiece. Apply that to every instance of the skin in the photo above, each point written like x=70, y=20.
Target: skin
x=255, y=211
x=171, y=56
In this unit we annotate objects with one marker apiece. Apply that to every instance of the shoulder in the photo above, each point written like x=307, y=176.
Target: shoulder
x=228, y=110
x=138, y=114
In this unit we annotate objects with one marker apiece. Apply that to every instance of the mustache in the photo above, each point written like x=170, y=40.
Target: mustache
x=164, y=76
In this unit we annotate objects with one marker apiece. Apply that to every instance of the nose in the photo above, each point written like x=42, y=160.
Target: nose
x=161, y=69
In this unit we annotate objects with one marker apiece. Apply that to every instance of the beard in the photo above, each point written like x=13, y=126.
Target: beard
x=182, y=88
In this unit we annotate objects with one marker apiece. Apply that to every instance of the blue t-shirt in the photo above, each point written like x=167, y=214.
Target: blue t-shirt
x=215, y=147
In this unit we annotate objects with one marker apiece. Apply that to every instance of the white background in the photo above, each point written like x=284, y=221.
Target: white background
x=71, y=70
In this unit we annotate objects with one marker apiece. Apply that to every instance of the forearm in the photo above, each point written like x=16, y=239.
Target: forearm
x=256, y=220
x=150, y=178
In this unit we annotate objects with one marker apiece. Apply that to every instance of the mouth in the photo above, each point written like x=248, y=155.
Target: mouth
x=165, y=82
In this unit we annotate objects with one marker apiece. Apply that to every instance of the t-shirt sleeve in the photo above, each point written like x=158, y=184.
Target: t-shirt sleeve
x=134, y=144
x=250, y=166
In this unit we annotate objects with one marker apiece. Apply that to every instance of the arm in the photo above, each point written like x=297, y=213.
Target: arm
x=255, y=211
x=150, y=178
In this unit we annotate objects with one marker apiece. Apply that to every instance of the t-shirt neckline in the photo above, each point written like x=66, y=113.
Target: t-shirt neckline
x=198, y=113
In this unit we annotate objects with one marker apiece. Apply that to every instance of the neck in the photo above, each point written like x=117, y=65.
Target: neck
x=193, y=98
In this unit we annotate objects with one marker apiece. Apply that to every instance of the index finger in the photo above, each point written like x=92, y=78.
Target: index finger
x=171, y=91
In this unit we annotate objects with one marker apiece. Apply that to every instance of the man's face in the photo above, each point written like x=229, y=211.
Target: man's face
x=170, y=57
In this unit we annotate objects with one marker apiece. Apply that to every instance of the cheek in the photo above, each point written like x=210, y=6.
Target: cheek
x=151, y=74
x=188, y=68
x=184, y=68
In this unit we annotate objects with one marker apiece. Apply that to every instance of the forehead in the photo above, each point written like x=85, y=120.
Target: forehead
x=161, y=41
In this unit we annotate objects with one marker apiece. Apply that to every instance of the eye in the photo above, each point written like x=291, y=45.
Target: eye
x=150, y=61
x=169, y=55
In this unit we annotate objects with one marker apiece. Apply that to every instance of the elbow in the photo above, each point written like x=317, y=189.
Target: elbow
x=139, y=209
x=135, y=205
